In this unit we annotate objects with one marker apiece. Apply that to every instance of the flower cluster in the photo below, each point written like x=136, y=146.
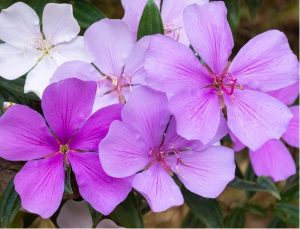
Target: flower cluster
x=147, y=114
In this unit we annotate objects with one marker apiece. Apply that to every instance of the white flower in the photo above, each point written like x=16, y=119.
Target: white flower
x=28, y=49
x=76, y=214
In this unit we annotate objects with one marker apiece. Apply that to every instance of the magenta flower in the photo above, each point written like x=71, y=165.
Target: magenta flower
x=199, y=92
x=69, y=136
x=145, y=144
x=171, y=13
x=119, y=62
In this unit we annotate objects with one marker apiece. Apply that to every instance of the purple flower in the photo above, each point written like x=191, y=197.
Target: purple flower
x=199, y=92
x=273, y=159
x=119, y=62
x=171, y=13
x=69, y=136
x=145, y=144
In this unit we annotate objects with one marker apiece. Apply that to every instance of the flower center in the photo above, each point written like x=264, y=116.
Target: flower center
x=64, y=148
x=225, y=83
x=173, y=31
x=43, y=45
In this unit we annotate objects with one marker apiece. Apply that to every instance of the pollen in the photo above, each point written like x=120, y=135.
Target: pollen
x=64, y=148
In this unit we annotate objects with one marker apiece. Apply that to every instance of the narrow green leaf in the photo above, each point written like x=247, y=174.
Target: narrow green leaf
x=127, y=215
x=288, y=213
x=233, y=14
x=207, y=211
x=255, y=209
x=150, y=22
x=68, y=184
x=262, y=184
x=235, y=218
x=86, y=13
x=9, y=205
x=276, y=223
x=191, y=221
x=253, y=6
x=96, y=216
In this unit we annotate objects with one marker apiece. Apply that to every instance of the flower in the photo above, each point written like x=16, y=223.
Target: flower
x=76, y=214
x=273, y=159
x=198, y=92
x=28, y=50
x=71, y=139
x=145, y=144
x=118, y=62
x=171, y=13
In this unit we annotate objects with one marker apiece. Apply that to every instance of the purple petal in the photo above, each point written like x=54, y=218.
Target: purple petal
x=251, y=117
x=123, y=147
x=76, y=69
x=96, y=128
x=209, y=33
x=147, y=112
x=172, y=67
x=40, y=184
x=206, y=172
x=104, y=193
x=24, y=135
x=134, y=66
x=66, y=105
x=266, y=62
x=291, y=135
x=287, y=95
x=197, y=113
x=274, y=160
x=110, y=43
x=158, y=187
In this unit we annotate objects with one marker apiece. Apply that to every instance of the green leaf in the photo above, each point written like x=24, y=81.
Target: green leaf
x=235, y=218
x=262, y=184
x=127, y=215
x=255, y=209
x=9, y=205
x=86, y=13
x=291, y=189
x=253, y=6
x=151, y=22
x=191, y=221
x=276, y=223
x=288, y=213
x=206, y=210
x=96, y=216
x=38, y=6
x=16, y=87
x=68, y=184
x=233, y=14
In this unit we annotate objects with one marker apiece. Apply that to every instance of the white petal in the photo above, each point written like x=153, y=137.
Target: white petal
x=39, y=77
x=59, y=24
x=16, y=62
x=73, y=50
x=19, y=25
x=75, y=214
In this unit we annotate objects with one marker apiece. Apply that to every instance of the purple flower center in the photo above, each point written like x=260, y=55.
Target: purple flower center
x=63, y=148
x=225, y=83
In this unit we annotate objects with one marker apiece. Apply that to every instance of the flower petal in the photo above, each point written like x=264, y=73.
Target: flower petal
x=75, y=214
x=73, y=50
x=76, y=69
x=149, y=118
x=66, y=105
x=266, y=62
x=251, y=117
x=104, y=193
x=59, y=24
x=123, y=147
x=109, y=41
x=16, y=62
x=40, y=184
x=96, y=128
x=39, y=77
x=291, y=135
x=172, y=67
x=209, y=33
x=287, y=95
x=274, y=160
x=24, y=135
x=158, y=187
x=197, y=113
x=206, y=172
x=19, y=25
